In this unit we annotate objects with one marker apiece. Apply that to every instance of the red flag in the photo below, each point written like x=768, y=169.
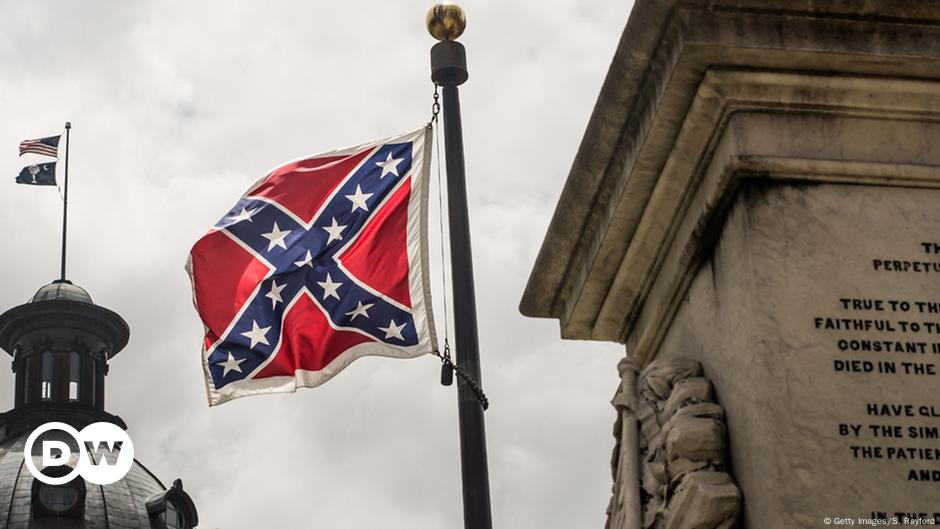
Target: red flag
x=322, y=261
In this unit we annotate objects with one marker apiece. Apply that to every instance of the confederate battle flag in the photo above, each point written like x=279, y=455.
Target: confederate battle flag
x=322, y=261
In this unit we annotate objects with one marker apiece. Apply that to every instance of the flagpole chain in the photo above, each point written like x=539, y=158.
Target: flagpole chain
x=436, y=106
x=448, y=366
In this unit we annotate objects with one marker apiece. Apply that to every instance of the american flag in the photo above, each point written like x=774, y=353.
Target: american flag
x=46, y=146
x=321, y=262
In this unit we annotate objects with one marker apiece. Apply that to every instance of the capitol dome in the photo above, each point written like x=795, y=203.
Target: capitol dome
x=139, y=500
x=61, y=290
x=60, y=343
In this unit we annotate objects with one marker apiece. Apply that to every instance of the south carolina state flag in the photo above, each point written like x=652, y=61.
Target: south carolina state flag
x=322, y=261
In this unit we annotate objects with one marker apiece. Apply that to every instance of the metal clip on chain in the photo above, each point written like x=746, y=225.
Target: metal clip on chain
x=448, y=368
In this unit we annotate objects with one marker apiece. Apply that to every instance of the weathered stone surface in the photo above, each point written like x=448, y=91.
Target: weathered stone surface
x=654, y=448
x=688, y=391
x=629, y=185
x=786, y=256
x=693, y=443
x=654, y=478
x=704, y=500
x=658, y=378
x=654, y=513
x=708, y=410
x=649, y=419
x=681, y=431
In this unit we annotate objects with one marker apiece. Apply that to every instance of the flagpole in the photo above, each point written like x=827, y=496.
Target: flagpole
x=449, y=70
x=65, y=198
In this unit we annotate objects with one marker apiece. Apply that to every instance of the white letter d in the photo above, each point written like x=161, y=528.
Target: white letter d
x=59, y=459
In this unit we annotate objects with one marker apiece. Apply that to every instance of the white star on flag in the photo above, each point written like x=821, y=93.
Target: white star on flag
x=329, y=287
x=359, y=199
x=276, y=237
x=393, y=330
x=256, y=334
x=390, y=165
x=230, y=365
x=306, y=261
x=275, y=293
x=335, y=231
x=244, y=215
x=360, y=310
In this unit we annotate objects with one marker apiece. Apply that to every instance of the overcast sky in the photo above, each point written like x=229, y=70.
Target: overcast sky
x=178, y=107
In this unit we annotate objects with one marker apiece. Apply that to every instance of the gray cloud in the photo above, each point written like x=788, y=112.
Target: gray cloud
x=178, y=107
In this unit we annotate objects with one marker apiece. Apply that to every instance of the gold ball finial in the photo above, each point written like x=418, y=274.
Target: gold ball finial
x=446, y=21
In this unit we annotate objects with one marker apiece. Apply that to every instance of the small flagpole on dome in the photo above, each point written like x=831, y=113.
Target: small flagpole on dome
x=65, y=198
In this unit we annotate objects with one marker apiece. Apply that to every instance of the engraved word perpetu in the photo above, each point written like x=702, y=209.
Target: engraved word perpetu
x=106, y=453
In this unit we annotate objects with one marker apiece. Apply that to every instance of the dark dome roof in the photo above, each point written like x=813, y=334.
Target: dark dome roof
x=61, y=290
x=64, y=308
x=121, y=504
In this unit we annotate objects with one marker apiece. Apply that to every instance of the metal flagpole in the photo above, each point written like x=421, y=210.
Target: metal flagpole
x=449, y=70
x=65, y=198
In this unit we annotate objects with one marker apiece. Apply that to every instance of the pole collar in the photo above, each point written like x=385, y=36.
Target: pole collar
x=449, y=63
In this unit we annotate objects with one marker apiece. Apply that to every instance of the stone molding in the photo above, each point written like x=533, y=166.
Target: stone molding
x=724, y=140
x=711, y=145
x=683, y=481
x=674, y=60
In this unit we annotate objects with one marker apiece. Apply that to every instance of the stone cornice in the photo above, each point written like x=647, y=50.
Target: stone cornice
x=662, y=114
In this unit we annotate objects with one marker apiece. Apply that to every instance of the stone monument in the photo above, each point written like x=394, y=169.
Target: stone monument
x=755, y=213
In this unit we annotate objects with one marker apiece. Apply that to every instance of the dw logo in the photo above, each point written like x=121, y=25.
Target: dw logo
x=105, y=452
